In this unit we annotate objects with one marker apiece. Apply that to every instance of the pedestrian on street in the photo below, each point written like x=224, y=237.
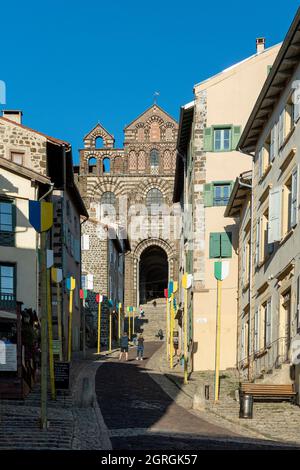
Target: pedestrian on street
x=142, y=313
x=124, y=346
x=140, y=348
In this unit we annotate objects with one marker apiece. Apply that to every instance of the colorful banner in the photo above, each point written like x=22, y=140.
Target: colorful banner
x=221, y=270
x=41, y=215
x=70, y=283
x=56, y=275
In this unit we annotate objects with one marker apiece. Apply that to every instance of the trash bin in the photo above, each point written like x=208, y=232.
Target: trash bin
x=246, y=407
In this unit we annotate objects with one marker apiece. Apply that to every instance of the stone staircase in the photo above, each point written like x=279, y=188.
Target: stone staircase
x=154, y=319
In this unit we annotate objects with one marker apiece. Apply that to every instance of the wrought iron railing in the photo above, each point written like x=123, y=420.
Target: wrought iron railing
x=268, y=358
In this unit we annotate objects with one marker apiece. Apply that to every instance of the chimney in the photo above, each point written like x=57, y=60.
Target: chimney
x=260, y=45
x=13, y=115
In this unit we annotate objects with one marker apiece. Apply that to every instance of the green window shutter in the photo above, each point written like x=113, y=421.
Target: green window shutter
x=236, y=134
x=214, y=245
x=226, y=246
x=208, y=195
x=208, y=139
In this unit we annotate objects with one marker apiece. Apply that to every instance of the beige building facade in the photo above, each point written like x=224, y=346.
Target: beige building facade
x=207, y=166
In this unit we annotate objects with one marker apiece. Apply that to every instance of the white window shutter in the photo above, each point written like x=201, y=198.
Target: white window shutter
x=85, y=242
x=294, y=198
x=272, y=143
x=269, y=323
x=274, y=227
x=296, y=101
x=260, y=163
x=257, y=245
x=256, y=330
x=281, y=125
x=90, y=282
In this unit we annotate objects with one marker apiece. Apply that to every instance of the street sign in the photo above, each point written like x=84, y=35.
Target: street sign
x=56, y=345
x=187, y=280
x=41, y=215
x=221, y=270
x=62, y=375
x=166, y=293
x=50, y=258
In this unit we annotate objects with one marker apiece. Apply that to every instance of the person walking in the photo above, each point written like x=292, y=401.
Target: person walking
x=124, y=343
x=140, y=347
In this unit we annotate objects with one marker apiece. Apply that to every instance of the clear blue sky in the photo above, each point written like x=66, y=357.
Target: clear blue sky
x=70, y=64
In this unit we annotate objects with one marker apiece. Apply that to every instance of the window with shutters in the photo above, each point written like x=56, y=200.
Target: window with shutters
x=245, y=337
x=7, y=222
x=290, y=202
x=267, y=319
x=256, y=330
x=264, y=157
x=220, y=245
x=286, y=121
x=221, y=138
x=257, y=242
x=221, y=193
x=246, y=256
x=217, y=193
x=267, y=248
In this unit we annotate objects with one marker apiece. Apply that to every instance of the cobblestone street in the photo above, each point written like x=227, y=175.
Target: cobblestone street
x=140, y=415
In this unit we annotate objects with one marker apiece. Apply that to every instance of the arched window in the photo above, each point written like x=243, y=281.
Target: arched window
x=154, y=158
x=108, y=198
x=92, y=164
x=154, y=197
x=108, y=205
x=99, y=142
x=106, y=165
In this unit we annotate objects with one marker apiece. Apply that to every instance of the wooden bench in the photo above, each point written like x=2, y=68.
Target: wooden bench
x=268, y=391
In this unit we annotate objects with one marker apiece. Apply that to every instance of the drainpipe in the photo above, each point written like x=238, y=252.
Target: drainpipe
x=250, y=254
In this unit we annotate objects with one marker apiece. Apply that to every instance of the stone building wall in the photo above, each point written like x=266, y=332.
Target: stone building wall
x=130, y=178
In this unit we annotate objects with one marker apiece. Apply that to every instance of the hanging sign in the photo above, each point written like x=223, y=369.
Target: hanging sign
x=166, y=293
x=187, y=280
x=50, y=259
x=170, y=288
x=70, y=283
x=41, y=215
x=99, y=298
x=56, y=275
x=83, y=294
x=221, y=270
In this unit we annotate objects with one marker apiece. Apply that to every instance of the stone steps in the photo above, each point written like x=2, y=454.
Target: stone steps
x=154, y=320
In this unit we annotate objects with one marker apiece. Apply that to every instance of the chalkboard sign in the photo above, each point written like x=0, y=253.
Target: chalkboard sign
x=62, y=375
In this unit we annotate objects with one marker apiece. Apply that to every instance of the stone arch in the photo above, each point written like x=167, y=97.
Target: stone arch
x=137, y=253
x=98, y=132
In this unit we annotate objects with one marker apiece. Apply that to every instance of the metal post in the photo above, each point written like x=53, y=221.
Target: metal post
x=185, y=339
x=50, y=336
x=171, y=333
x=44, y=342
x=167, y=328
x=83, y=328
x=99, y=327
x=59, y=319
x=218, y=334
x=110, y=330
x=70, y=326
x=119, y=322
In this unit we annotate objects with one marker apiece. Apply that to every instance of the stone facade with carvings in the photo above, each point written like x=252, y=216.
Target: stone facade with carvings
x=132, y=178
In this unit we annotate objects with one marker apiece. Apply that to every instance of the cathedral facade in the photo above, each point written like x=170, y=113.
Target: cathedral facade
x=131, y=189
